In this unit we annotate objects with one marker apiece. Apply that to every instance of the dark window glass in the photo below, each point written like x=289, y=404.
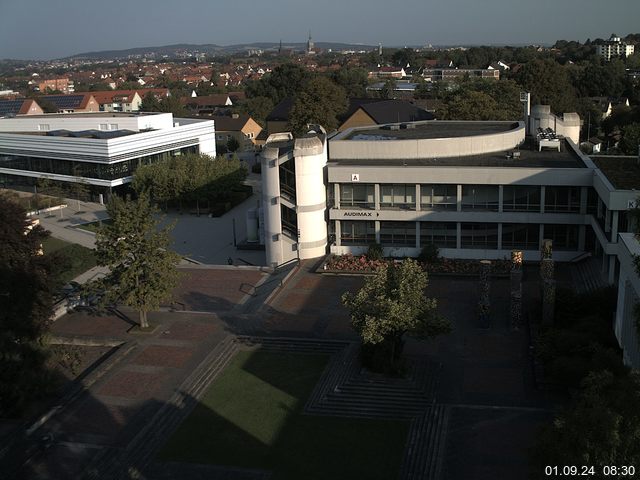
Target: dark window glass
x=480, y=235
x=398, y=234
x=441, y=234
x=357, y=233
x=523, y=236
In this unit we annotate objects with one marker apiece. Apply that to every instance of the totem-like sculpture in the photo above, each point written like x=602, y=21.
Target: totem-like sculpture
x=484, y=303
x=547, y=275
x=516, y=289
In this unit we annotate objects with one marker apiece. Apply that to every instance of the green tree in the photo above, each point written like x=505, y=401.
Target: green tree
x=601, y=427
x=27, y=283
x=233, y=145
x=284, y=81
x=354, y=80
x=142, y=270
x=392, y=303
x=630, y=143
x=150, y=103
x=320, y=102
x=388, y=89
x=258, y=108
x=549, y=84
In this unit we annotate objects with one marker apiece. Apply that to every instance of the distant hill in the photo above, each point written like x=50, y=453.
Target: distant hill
x=210, y=49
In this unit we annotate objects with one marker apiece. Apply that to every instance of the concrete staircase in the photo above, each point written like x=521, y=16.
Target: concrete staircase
x=587, y=275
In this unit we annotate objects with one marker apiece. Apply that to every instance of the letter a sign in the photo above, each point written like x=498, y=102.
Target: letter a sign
x=355, y=177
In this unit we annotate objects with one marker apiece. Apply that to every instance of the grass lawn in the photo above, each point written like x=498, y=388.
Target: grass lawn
x=252, y=417
x=93, y=226
x=76, y=259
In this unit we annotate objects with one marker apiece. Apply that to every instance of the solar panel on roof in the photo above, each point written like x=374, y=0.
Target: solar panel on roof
x=9, y=107
x=65, y=101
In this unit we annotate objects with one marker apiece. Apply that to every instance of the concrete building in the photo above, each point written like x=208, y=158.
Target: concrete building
x=118, y=100
x=101, y=150
x=63, y=85
x=476, y=190
x=614, y=48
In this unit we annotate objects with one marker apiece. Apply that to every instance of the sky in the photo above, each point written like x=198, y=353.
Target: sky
x=41, y=29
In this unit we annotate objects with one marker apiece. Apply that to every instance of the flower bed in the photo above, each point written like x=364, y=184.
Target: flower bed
x=454, y=266
x=350, y=263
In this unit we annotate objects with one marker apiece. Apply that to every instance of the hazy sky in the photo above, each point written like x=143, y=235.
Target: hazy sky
x=57, y=28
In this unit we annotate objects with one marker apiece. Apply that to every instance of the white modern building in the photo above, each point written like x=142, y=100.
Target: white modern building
x=476, y=190
x=614, y=47
x=101, y=149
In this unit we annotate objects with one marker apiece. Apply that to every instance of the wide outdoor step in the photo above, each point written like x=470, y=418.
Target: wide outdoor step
x=425, y=445
x=113, y=464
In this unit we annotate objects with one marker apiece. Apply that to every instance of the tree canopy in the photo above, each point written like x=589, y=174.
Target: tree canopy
x=284, y=81
x=392, y=303
x=482, y=100
x=142, y=269
x=601, y=427
x=319, y=102
x=189, y=178
x=27, y=284
x=549, y=84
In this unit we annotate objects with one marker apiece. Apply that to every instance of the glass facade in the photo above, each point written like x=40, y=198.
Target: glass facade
x=357, y=233
x=564, y=237
x=480, y=197
x=289, y=222
x=357, y=196
x=398, y=234
x=521, y=198
x=523, y=236
x=75, y=168
x=287, y=172
x=480, y=235
x=562, y=200
x=439, y=197
x=401, y=196
x=441, y=234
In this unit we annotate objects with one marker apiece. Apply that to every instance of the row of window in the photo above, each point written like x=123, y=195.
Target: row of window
x=102, y=171
x=515, y=198
x=444, y=235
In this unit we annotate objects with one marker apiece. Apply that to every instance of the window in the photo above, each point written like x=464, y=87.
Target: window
x=398, y=196
x=516, y=198
x=104, y=126
x=439, y=197
x=287, y=172
x=398, y=234
x=564, y=237
x=357, y=233
x=357, y=195
x=562, y=199
x=480, y=197
x=480, y=235
x=113, y=126
x=442, y=235
x=43, y=127
x=592, y=201
x=523, y=236
x=289, y=222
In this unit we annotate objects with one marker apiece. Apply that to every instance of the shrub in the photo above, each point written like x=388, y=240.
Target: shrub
x=429, y=254
x=375, y=252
